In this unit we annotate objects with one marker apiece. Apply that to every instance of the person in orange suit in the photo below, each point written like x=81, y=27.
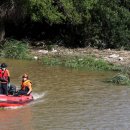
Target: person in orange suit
x=26, y=86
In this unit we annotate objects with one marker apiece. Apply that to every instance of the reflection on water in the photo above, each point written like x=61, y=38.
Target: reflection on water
x=73, y=100
x=18, y=119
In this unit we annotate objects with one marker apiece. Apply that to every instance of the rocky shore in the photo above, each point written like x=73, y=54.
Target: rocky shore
x=121, y=57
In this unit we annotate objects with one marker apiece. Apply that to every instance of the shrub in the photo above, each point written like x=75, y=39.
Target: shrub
x=15, y=49
x=120, y=79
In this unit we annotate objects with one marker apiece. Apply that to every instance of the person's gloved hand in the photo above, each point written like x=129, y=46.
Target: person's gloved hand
x=27, y=94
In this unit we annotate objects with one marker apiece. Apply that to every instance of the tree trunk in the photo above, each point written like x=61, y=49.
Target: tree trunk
x=2, y=30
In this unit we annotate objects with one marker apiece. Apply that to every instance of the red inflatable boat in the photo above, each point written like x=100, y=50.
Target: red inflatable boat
x=10, y=100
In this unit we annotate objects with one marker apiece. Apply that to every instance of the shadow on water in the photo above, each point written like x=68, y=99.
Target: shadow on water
x=67, y=99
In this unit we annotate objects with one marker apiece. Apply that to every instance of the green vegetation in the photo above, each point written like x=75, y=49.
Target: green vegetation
x=72, y=23
x=20, y=50
x=120, y=79
x=15, y=49
x=97, y=23
x=89, y=63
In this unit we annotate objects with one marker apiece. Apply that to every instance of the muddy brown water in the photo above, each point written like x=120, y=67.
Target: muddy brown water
x=67, y=99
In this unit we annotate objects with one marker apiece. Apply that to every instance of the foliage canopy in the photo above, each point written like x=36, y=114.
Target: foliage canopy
x=79, y=23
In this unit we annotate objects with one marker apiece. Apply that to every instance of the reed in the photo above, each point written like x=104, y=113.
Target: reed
x=76, y=62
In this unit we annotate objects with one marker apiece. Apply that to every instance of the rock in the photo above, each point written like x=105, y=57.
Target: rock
x=53, y=50
x=35, y=58
x=114, y=56
x=43, y=51
x=121, y=59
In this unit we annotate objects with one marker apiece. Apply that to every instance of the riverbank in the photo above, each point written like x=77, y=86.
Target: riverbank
x=117, y=57
x=79, y=58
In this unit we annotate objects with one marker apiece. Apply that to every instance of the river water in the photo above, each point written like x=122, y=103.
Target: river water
x=66, y=99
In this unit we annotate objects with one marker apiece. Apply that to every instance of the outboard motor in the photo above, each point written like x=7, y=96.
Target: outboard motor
x=12, y=89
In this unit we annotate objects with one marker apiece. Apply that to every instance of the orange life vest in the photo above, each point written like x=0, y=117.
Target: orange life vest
x=25, y=84
x=4, y=74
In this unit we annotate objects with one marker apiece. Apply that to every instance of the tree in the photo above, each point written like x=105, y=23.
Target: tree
x=111, y=24
x=80, y=23
x=11, y=10
x=5, y=7
x=55, y=11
